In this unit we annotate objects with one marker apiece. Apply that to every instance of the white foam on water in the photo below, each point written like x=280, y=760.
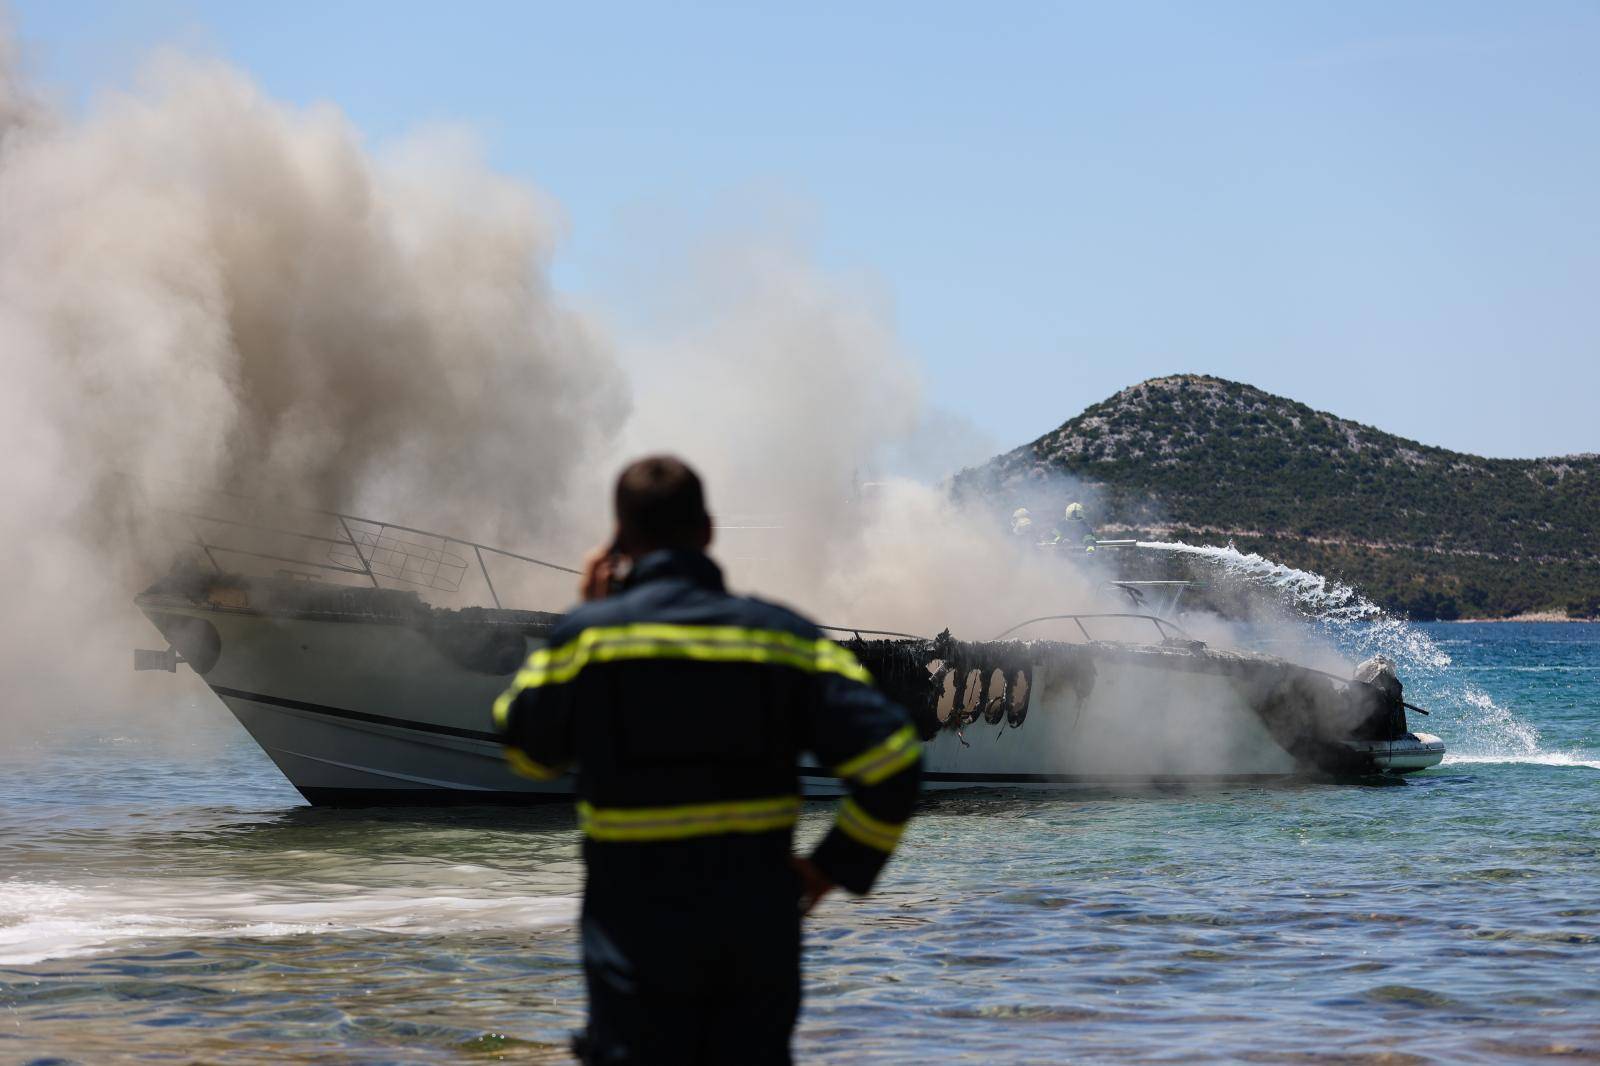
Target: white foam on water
x=1479, y=727
x=1529, y=669
x=42, y=920
x=1548, y=758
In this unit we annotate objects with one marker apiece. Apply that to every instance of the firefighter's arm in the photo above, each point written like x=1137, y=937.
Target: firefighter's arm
x=871, y=744
x=534, y=717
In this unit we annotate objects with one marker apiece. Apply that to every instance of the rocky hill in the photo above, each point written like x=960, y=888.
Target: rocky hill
x=1422, y=530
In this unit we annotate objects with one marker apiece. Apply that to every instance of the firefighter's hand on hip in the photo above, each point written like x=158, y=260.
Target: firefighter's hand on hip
x=814, y=884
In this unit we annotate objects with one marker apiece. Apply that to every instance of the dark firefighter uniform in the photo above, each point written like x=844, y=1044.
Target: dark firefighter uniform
x=685, y=710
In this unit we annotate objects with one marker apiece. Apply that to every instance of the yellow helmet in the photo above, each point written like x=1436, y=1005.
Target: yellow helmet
x=1074, y=512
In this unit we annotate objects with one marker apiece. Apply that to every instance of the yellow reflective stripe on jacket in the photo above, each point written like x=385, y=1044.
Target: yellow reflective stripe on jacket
x=502, y=708
x=694, y=820
x=660, y=640
x=865, y=829
x=528, y=768
x=646, y=640
x=581, y=647
x=883, y=760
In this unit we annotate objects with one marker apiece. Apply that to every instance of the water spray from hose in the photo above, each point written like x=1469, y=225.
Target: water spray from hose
x=1359, y=629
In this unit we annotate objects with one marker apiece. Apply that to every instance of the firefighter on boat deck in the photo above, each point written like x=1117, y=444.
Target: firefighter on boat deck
x=685, y=711
x=1074, y=529
x=1021, y=523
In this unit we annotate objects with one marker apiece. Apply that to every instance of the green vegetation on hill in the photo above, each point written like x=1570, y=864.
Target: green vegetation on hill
x=1422, y=530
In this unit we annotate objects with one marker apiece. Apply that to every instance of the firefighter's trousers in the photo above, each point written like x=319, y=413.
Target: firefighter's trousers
x=685, y=969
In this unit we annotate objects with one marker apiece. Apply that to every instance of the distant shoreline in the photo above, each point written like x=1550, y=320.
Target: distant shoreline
x=1526, y=616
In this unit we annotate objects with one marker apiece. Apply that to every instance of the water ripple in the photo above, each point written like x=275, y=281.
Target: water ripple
x=183, y=905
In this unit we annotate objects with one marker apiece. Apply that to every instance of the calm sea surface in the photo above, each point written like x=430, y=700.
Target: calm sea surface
x=176, y=901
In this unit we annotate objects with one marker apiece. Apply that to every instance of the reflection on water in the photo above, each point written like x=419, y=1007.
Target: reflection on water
x=158, y=902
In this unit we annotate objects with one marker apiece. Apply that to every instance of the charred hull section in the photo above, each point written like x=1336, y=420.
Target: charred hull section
x=1324, y=724
x=371, y=696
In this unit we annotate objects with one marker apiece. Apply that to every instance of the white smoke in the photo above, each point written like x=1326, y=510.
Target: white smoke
x=218, y=288
x=202, y=286
x=789, y=392
x=199, y=285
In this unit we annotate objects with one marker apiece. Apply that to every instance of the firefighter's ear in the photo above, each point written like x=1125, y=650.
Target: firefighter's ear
x=623, y=546
x=705, y=536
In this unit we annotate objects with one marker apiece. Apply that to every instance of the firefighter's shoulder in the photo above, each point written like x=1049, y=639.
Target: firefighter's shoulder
x=593, y=615
x=757, y=613
x=822, y=654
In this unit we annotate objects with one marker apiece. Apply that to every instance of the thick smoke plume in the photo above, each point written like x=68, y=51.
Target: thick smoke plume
x=202, y=286
x=208, y=287
x=787, y=393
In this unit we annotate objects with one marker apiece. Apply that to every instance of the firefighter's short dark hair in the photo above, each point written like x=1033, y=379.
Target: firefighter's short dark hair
x=661, y=504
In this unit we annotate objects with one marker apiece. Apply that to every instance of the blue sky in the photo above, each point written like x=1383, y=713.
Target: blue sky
x=1390, y=211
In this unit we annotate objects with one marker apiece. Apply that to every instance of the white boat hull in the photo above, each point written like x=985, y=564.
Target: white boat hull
x=357, y=710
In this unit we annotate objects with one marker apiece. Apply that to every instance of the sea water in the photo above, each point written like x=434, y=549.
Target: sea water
x=177, y=900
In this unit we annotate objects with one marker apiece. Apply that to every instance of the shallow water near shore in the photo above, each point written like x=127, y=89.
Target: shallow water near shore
x=180, y=902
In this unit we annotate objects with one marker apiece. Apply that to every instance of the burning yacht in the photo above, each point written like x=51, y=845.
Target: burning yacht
x=371, y=695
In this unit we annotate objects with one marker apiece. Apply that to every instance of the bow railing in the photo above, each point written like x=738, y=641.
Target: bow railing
x=334, y=542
